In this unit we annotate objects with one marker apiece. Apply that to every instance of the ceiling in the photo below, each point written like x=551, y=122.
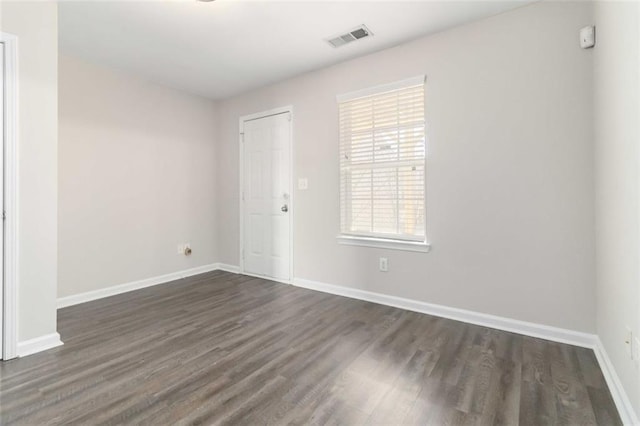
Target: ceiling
x=226, y=47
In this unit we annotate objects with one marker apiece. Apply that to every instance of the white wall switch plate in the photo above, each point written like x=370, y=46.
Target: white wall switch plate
x=180, y=248
x=384, y=264
x=587, y=37
x=628, y=341
x=303, y=184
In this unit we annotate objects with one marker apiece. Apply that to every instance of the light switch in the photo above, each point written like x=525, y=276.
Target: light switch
x=303, y=184
x=587, y=37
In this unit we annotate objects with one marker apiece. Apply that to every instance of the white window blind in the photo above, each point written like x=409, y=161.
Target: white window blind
x=382, y=162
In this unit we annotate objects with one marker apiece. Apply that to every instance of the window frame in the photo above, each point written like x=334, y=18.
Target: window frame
x=379, y=240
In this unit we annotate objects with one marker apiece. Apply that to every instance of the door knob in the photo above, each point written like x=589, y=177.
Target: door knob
x=284, y=208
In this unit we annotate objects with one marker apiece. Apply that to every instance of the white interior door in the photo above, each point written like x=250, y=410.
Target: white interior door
x=266, y=197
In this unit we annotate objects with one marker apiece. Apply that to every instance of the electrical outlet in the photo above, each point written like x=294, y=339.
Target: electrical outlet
x=384, y=264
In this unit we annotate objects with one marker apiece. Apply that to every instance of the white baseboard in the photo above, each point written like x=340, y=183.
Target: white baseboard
x=555, y=334
x=75, y=299
x=39, y=344
x=228, y=268
x=625, y=409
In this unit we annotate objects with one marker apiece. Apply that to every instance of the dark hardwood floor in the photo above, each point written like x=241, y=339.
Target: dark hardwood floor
x=230, y=349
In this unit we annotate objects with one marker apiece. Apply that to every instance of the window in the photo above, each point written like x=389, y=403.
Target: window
x=382, y=166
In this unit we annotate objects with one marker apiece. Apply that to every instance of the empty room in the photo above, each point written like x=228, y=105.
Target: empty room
x=253, y=212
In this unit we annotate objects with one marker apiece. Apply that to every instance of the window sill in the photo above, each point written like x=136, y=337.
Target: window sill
x=384, y=243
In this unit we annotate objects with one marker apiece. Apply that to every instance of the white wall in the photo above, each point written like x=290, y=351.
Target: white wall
x=137, y=178
x=510, y=169
x=617, y=154
x=36, y=25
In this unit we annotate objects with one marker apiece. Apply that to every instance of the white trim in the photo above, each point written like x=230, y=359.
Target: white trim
x=263, y=114
x=275, y=111
x=501, y=323
x=625, y=409
x=234, y=269
x=76, y=299
x=384, y=243
x=39, y=344
x=264, y=277
x=10, y=299
x=382, y=88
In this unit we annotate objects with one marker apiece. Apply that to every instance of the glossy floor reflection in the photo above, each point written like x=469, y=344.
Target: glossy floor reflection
x=230, y=349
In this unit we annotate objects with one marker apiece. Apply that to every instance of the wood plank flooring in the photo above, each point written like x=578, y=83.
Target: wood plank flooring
x=222, y=348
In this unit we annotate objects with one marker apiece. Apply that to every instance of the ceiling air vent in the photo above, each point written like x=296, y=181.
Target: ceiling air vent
x=353, y=35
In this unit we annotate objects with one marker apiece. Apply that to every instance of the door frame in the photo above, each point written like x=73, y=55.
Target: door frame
x=10, y=125
x=255, y=116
